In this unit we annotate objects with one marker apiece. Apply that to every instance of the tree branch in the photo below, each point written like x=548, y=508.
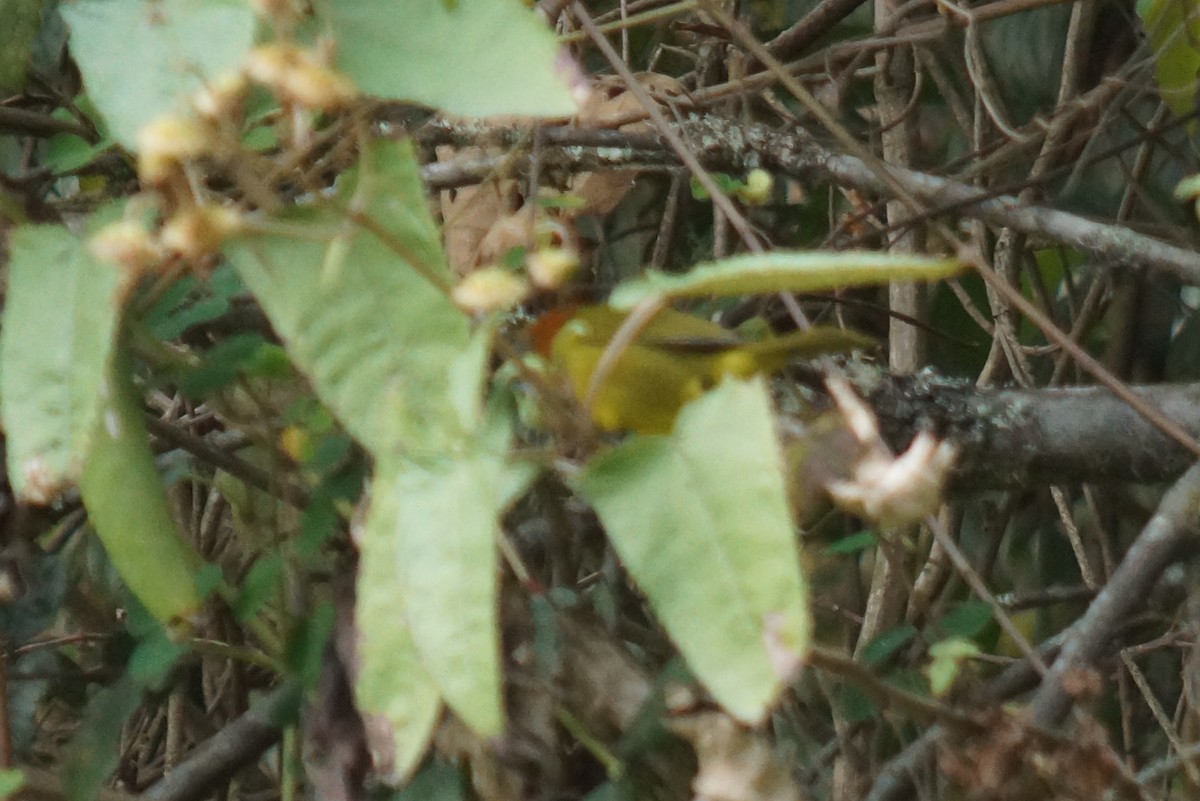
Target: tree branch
x=210, y=763
x=733, y=147
x=1009, y=437
x=232, y=748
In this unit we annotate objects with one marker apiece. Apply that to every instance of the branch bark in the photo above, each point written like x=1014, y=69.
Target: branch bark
x=1011, y=437
x=733, y=147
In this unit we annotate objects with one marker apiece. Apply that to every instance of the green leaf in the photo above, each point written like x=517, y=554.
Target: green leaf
x=306, y=646
x=481, y=58
x=446, y=513
x=852, y=544
x=11, y=780
x=261, y=584
x=853, y=705
x=154, y=657
x=143, y=60
x=1173, y=27
x=92, y=754
x=128, y=507
x=367, y=325
x=189, y=302
x=240, y=354
x=437, y=781
x=967, y=619
x=781, y=271
x=887, y=644
x=726, y=183
x=61, y=314
x=392, y=680
x=22, y=19
x=67, y=152
x=700, y=520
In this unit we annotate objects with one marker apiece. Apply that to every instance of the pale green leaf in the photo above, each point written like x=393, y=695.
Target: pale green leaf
x=447, y=516
x=700, y=520
x=946, y=658
x=61, y=313
x=392, y=682
x=1188, y=188
x=142, y=60
x=782, y=271
x=11, y=780
x=128, y=508
x=366, y=324
x=471, y=57
x=1173, y=28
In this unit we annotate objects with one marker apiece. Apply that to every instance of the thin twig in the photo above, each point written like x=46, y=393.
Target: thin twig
x=1174, y=525
x=238, y=468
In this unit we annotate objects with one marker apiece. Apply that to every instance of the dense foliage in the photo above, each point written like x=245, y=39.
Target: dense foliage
x=645, y=400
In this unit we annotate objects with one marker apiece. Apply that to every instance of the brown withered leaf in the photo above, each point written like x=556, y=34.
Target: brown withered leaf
x=469, y=213
x=602, y=191
x=1011, y=760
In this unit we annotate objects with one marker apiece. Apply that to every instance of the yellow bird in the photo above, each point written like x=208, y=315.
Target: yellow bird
x=676, y=357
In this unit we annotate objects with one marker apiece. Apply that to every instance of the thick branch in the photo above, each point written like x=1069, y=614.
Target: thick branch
x=234, y=747
x=1008, y=437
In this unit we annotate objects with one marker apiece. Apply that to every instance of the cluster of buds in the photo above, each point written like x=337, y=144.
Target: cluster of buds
x=551, y=263
x=497, y=288
x=168, y=142
x=299, y=77
x=192, y=234
x=128, y=243
x=192, y=228
x=489, y=289
x=199, y=231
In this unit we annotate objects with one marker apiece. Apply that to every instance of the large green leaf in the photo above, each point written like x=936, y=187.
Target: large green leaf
x=61, y=313
x=374, y=334
x=446, y=516
x=141, y=60
x=783, y=271
x=128, y=507
x=369, y=322
x=470, y=57
x=1173, y=27
x=392, y=682
x=700, y=520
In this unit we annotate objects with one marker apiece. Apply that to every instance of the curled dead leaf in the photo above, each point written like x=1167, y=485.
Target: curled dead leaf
x=894, y=491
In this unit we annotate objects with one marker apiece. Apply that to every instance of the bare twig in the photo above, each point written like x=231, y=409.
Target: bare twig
x=33, y=123
x=238, y=468
x=1174, y=525
x=811, y=27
